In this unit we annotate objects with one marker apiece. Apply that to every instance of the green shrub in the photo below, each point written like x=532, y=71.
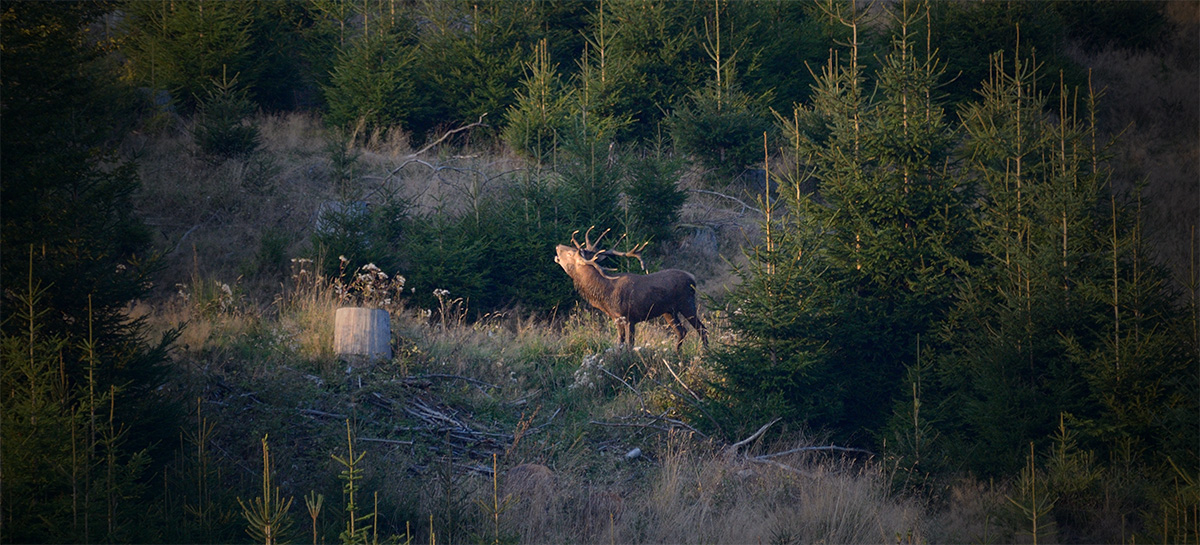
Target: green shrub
x=221, y=128
x=372, y=84
x=654, y=196
x=718, y=128
x=361, y=233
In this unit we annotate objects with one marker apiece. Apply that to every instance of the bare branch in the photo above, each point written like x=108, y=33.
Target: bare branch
x=663, y=418
x=813, y=449
x=322, y=414
x=623, y=425
x=679, y=380
x=641, y=399
x=724, y=196
x=734, y=447
x=431, y=145
x=454, y=377
x=388, y=441
x=785, y=467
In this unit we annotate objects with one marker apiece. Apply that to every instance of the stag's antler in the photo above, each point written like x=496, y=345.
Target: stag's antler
x=635, y=253
x=589, y=247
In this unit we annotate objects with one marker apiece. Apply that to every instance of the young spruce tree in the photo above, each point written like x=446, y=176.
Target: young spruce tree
x=848, y=277
x=1065, y=313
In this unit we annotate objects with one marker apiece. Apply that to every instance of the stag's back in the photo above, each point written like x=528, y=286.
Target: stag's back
x=644, y=296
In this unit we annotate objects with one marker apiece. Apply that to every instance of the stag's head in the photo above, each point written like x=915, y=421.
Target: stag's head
x=587, y=254
x=571, y=259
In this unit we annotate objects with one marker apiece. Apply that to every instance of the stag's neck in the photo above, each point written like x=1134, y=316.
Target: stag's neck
x=593, y=285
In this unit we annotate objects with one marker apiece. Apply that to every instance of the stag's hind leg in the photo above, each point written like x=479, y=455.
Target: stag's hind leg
x=680, y=331
x=694, y=319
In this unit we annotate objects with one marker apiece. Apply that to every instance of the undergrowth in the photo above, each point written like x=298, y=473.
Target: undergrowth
x=505, y=426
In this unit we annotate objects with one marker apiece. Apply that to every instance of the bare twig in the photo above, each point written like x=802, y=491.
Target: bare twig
x=699, y=403
x=663, y=418
x=679, y=380
x=724, y=196
x=190, y=231
x=546, y=423
x=785, y=467
x=388, y=441
x=322, y=414
x=624, y=425
x=641, y=399
x=454, y=377
x=814, y=449
x=734, y=447
x=431, y=145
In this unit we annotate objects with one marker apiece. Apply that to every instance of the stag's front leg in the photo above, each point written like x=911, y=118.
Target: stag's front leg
x=622, y=329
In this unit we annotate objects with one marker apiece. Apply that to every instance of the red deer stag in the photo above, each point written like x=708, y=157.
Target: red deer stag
x=631, y=298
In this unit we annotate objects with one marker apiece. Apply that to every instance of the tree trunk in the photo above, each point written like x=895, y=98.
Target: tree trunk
x=362, y=332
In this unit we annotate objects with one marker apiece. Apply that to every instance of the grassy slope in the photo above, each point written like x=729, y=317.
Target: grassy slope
x=256, y=360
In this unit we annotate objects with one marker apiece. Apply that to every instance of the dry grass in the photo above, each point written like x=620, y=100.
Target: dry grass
x=568, y=481
x=695, y=493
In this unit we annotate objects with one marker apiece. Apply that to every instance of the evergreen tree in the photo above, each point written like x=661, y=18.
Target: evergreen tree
x=719, y=128
x=534, y=124
x=785, y=40
x=67, y=208
x=183, y=46
x=866, y=264
x=68, y=476
x=221, y=127
x=471, y=57
x=718, y=124
x=372, y=84
x=653, y=196
x=591, y=172
x=1065, y=314
x=644, y=56
x=967, y=33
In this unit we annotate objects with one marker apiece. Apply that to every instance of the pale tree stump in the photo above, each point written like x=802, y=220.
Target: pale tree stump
x=362, y=332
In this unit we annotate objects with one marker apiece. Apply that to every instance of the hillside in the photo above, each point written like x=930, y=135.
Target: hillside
x=946, y=254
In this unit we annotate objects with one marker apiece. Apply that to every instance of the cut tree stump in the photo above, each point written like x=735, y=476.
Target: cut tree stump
x=364, y=332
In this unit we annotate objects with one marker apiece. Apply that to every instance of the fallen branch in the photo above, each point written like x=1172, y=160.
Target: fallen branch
x=431, y=145
x=785, y=467
x=732, y=449
x=724, y=196
x=546, y=423
x=388, y=441
x=699, y=404
x=663, y=417
x=190, y=231
x=454, y=377
x=811, y=449
x=322, y=414
x=624, y=425
x=641, y=400
x=679, y=380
